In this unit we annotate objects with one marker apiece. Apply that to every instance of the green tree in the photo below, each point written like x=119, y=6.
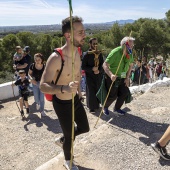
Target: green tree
x=44, y=42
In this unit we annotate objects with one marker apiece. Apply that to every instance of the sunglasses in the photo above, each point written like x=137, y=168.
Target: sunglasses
x=94, y=43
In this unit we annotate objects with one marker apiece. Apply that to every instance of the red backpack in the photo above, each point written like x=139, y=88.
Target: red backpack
x=49, y=97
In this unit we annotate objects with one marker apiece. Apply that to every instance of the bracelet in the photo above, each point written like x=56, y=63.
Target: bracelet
x=62, y=89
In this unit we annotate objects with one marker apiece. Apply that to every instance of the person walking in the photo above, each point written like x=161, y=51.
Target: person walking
x=119, y=74
x=94, y=73
x=160, y=146
x=66, y=87
x=35, y=72
x=22, y=82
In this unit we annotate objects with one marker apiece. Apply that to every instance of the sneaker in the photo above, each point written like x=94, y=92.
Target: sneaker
x=106, y=111
x=59, y=141
x=92, y=111
x=160, y=150
x=119, y=112
x=28, y=110
x=67, y=166
x=37, y=106
x=43, y=113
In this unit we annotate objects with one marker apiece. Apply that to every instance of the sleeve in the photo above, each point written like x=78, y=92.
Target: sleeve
x=24, y=60
x=28, y=59
x=101, y=63
x=110, y=57
x=27, y=82
x=31, y=67
x=85, y=64
x=17, y=82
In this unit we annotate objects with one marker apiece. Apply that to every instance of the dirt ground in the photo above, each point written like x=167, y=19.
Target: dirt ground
x=121, y=144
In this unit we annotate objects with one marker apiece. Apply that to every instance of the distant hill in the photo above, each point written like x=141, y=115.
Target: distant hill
x=57, y=27
x=122, y=22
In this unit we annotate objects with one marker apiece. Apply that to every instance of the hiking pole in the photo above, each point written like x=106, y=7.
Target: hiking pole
x=111, y=85
x=140, y=69
x=73, y=78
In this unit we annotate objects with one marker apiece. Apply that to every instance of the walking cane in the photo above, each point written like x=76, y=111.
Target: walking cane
x=73, y=78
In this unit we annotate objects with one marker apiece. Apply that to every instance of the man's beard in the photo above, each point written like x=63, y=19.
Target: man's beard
x=77, y=44
x=92, y=47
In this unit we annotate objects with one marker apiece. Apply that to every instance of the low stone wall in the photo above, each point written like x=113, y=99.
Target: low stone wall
x=6, y=91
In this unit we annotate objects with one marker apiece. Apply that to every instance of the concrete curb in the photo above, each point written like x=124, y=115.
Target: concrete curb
x=57, y=162
x=51, y=164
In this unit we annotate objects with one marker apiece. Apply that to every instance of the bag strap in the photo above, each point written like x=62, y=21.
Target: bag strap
x=59, y=51
x=80, y=51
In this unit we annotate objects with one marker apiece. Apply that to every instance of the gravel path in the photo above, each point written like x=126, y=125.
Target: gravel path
x=122, y=144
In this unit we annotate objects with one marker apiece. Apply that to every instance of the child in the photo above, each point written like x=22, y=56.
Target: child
x=23, y=84
x=19, y=53
x=16, y=60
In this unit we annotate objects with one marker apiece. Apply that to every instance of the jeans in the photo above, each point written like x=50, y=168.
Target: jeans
x=38, y=96
x=161, y=76
x=83, y=84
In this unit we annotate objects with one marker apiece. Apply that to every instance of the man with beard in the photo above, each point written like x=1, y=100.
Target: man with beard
x=65, y=87
x=93, y=74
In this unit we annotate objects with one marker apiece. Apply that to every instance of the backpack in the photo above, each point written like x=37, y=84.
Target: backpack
x=49, y=97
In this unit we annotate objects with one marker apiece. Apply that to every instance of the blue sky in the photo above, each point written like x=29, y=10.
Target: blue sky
x=45, y=12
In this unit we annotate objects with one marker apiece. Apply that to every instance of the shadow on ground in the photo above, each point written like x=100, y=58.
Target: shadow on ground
x=136, y=124
x=52, y=124
x=83, y=168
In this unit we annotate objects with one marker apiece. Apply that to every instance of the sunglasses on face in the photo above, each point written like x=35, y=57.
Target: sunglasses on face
x=94, y=43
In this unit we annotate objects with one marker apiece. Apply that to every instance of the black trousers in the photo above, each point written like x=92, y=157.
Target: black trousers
x=118, y=92
x=63, y=109
x=93, y=83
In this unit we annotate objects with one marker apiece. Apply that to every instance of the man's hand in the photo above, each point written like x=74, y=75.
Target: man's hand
x=96, y=72
x=95, y=69
x=12, y=84
x=33, y=81
x=72, y=87
x=127, y=82
x=113, y=77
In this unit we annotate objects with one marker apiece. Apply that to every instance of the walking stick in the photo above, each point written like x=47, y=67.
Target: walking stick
x=111, y=85
x=141, y=68
x=73, y=78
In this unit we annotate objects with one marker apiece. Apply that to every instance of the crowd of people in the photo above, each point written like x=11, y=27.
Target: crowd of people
x=90, y=70
x=148, y=72
x=28, y=76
